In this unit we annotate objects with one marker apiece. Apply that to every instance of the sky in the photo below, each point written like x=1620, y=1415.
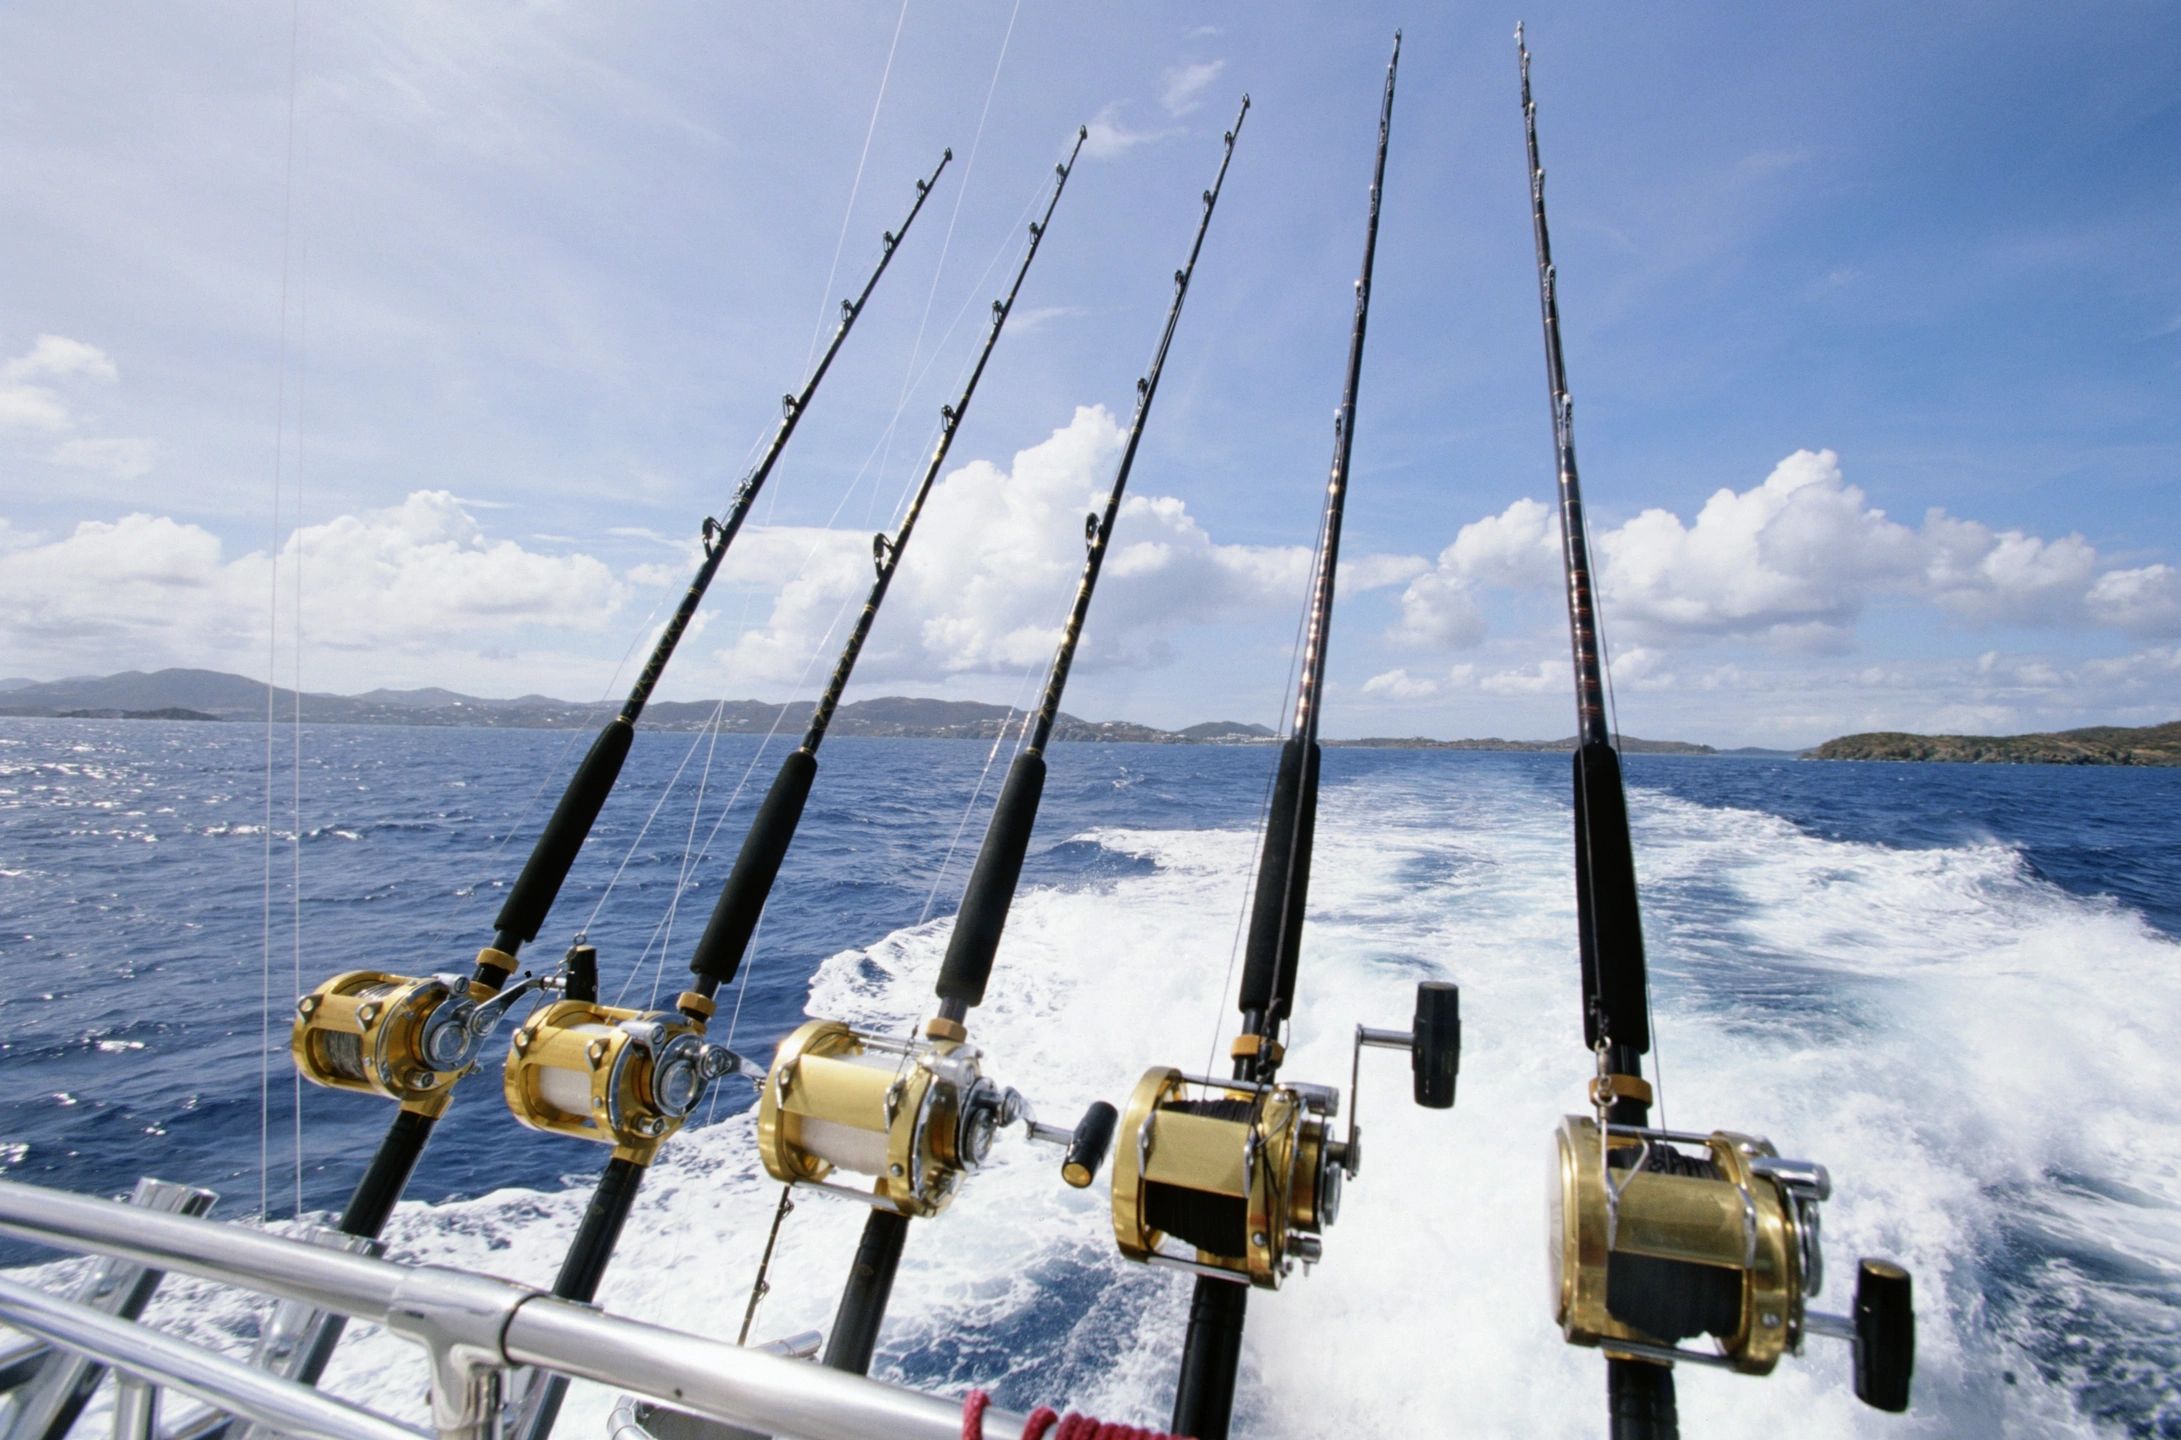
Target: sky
x=409, y=344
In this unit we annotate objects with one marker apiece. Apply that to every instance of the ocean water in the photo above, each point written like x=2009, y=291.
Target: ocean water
x=1956, y=986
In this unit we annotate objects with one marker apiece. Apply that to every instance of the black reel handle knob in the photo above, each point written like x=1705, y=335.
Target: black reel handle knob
x=1088, y=1146
x=1885, y=1335
x=1436, y=1054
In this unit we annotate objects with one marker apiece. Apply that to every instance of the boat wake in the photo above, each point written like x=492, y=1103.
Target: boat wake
x=1968, y=1047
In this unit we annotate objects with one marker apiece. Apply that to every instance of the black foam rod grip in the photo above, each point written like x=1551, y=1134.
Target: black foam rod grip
x=983, y=916
x=742, y=902
x=523, y=912
x=1088, y=1146
x=1436, y=1058
x=1283, y=886
x=1613, y=965
x=1885, y=1335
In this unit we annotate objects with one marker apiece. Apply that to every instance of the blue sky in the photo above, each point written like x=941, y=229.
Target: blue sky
x=547, y=269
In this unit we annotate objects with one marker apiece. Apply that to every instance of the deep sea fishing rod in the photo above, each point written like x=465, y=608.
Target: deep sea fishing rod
x=1664, y=1236
x=410, y=1039
x=1244, y=1174
x=549, y=1083
x=917, y=1117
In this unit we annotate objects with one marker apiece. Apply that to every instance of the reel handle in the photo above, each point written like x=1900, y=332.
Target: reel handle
x=1434, y=1043
x=1086, y=1145
x=1885, y=1335
x=1435, y=1055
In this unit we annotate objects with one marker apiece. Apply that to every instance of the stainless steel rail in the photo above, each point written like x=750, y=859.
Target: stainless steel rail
x=214, y=1379
x=474, y=1328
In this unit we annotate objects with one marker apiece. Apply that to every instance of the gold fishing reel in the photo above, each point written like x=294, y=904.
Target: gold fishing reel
x=1246, y=1177
x=1663, y=1236
x=626, y=1078
x=406, y=1039
x=917, y=1117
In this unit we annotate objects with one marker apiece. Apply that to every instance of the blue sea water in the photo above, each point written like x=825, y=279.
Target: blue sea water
x=1954, y=985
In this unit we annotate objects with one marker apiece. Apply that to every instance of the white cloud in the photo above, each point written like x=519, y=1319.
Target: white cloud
x=122, y=459
x=420, y=578
x=1186, y=84
x=1517, y=548
x=1400, y=685
x=993, y=564
x=1029, y=318
x=1109, y=136
x=31, y=407
x=1792, y=562
x=57, y=356
x=2145, y=601
x=1537, y=679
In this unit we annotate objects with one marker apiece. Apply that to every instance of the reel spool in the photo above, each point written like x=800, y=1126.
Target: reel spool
x=1655, y=1244
x=1249, y=1175
x=407, y=1039
x=625, y=1078
x=916, y=1116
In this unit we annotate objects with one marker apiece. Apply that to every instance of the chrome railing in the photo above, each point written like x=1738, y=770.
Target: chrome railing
x=475, y=1330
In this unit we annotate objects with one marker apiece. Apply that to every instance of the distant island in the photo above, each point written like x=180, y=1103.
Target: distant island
x=212, y=695
x=2096, y=745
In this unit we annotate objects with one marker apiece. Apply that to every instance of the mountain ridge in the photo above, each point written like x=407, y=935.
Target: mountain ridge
x=214, y=695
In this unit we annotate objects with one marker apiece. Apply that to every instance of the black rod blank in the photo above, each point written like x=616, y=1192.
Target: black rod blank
x=976, y=938
x=535, y=889
x=742, y=900
x=1267, y=995
x=1616, y=1005
x=1212, y=1350
x=1615, y=1008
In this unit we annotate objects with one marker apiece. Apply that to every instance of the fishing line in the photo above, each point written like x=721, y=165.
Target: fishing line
x=823, y=533
x=272, y=636
x=1282, y=722
x=779, y=715
x=946, y=246
x=825, y=300
x=295, y=887
x=999, y=738
x=1613, y=708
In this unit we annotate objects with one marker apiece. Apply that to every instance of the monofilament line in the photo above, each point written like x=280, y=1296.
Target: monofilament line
x=825, y=300
x=272, y=640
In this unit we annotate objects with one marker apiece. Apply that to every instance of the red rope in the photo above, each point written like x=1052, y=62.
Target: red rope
x=1046, y=1423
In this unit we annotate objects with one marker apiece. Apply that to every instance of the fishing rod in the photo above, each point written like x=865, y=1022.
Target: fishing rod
x=1663, y=1236
x=546, y=1072
x=409, y=1039
x=1235, y=1180
x=917, y=1117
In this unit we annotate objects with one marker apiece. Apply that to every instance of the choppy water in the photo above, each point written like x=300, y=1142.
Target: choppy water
x=1954, y=985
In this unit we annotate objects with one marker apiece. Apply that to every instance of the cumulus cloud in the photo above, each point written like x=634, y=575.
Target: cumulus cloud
x=29, y=407
x=993, y=564
x=420, y=577
x=1792, y=562
x=1186, y=84
x=1517, y=548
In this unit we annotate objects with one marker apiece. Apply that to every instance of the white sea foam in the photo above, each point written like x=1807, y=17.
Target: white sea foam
x=1945, y=1031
